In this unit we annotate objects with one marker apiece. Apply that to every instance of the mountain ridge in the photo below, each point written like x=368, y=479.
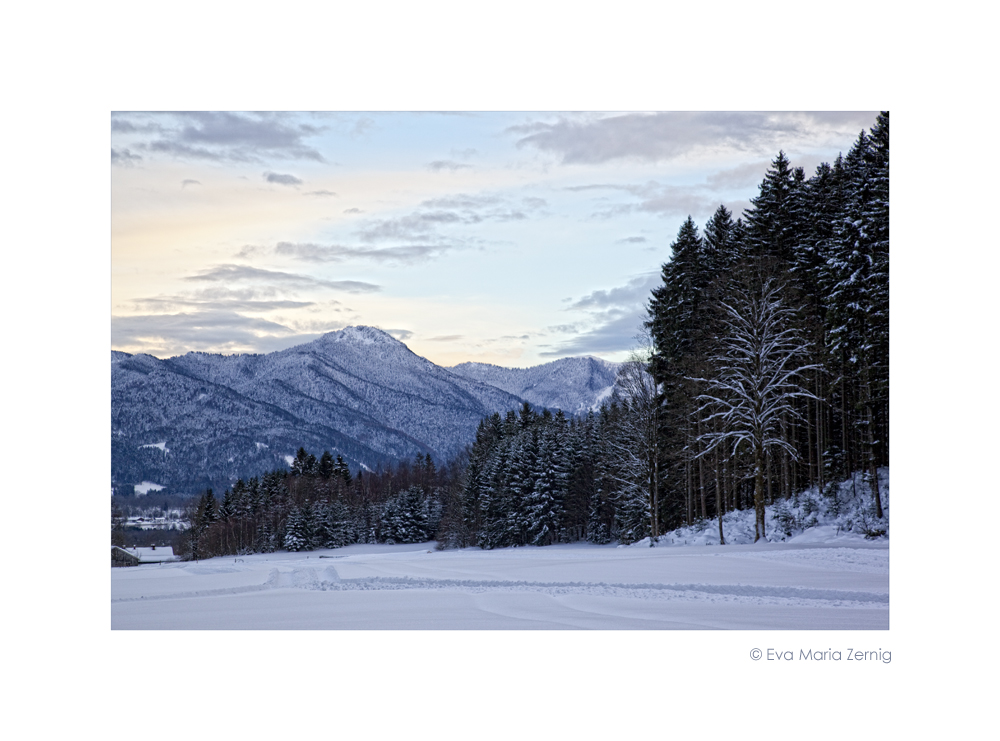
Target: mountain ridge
x=357, y=392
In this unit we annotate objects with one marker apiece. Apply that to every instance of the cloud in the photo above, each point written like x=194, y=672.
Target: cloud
x=320, y=326
x=632, y=240
x=274, y=177
x=737, y=208
x=634, y=293
x=268, y=132
x=250, y=250
x=124, y=157
x=233, y=273
x=746, y=175
x=329, y=193
x=413, y=226
x=461, y=209
x=186, y=151
x=659, y=137
x=122, y=125
x=615, y=334
x=463, y=201
x=308, y=252
x=164, y=304
x=362, y=126
x=565, y=328
x=353, y=211
x=614, y=318
x=215, y=331
x=438, y=165
x=446, y=338
x=220, y=136
x=677, y=201
x=656, y=198
x=400, y=334
x=186, y=183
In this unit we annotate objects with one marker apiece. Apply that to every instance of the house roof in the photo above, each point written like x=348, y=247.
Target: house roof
x=153, y=555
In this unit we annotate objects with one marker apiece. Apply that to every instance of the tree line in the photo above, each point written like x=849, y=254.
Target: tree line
x=318, y=503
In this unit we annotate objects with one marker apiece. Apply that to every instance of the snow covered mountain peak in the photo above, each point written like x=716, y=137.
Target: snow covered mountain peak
x=361, y=335
x=575, y=385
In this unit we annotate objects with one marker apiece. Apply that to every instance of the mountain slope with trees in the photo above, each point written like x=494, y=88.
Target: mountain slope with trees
x=203, y=420
x=574, y=385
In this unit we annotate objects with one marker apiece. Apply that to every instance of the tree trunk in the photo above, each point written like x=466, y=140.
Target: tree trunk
x=687, y=490
x=655, y=515
x=701, y=479
x=866, y=398
x=718, y=494
x=768, y=463
x=786, y=488
x=819, y=432
x=872, y=469
x=811, y=475
x=758, y=455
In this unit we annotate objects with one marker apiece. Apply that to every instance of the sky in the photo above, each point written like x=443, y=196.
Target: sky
x=510, y=238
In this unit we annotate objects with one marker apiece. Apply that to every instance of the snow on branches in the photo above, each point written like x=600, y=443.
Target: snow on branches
x=756, y=379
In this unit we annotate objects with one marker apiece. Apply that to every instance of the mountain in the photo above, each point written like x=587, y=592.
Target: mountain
x=200, y=419
x=574, y=385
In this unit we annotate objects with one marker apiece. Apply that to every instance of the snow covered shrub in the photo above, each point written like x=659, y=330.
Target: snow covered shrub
x=831, y=495
x=784, y=518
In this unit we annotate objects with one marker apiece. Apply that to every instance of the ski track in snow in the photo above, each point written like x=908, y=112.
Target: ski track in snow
x=328, y=579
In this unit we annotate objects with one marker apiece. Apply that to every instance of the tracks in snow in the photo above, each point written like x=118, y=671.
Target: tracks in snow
x=328, y=580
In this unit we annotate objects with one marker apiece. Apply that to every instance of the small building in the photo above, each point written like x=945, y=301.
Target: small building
x=137, y=556
x=122, y=557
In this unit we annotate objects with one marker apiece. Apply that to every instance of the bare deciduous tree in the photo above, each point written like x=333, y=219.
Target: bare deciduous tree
x=756, y=380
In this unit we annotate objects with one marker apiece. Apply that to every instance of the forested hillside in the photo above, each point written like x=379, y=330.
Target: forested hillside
x=771, y=338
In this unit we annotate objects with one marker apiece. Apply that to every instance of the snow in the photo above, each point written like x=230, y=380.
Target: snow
x=361, y=335
x=145, y=487
x=808, y=518
x=575, y=586
x=162, y=446
x=602, y=397
x=575, y=385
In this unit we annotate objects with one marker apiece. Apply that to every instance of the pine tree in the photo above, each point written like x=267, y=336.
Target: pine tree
x=326, y=465
x=775, y=221
x=321, y=536
x=300, y=464
x=296, y=536
x=544, y=503
x=677, y=324
x=341, y=470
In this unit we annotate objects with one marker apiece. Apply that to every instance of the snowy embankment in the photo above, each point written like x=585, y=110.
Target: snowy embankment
x=843, y=515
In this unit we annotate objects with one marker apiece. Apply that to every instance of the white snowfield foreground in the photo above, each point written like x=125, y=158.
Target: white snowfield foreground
x=839, y=584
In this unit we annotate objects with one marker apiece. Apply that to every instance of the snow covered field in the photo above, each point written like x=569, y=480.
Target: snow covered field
x=841, y=582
